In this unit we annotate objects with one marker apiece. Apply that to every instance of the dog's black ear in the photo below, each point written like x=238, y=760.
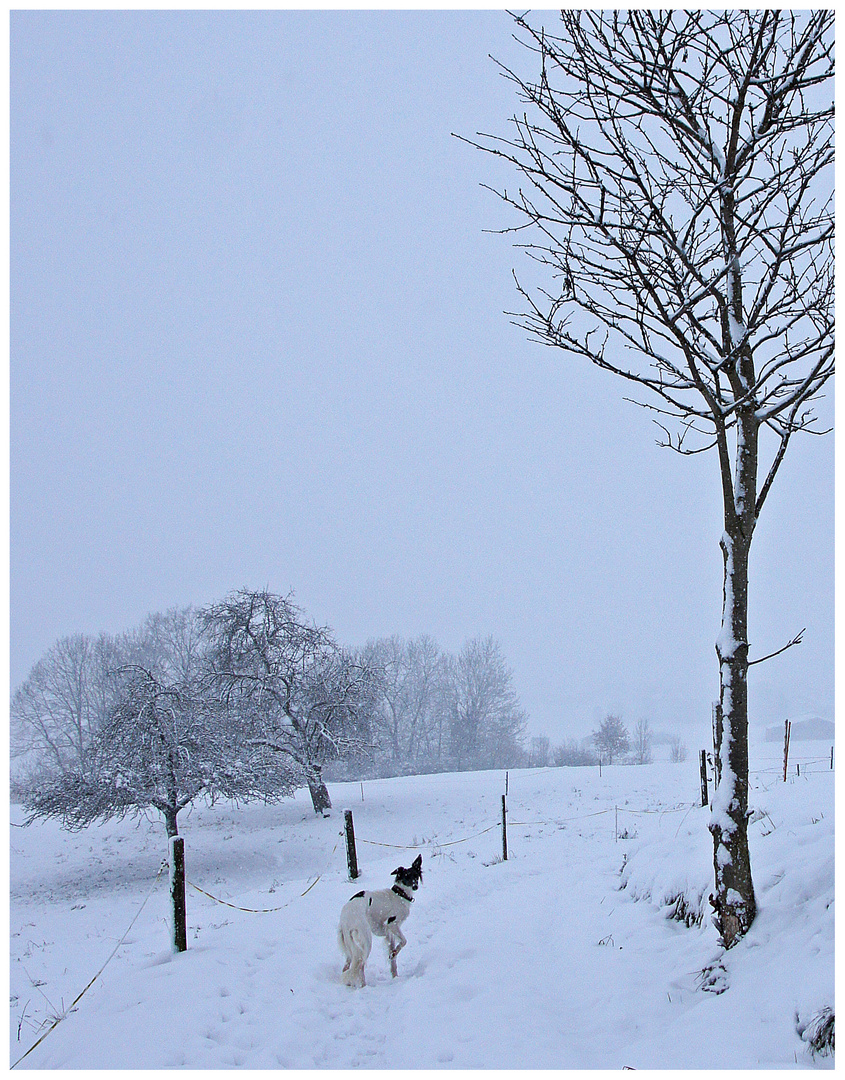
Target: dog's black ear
x=398, y=870
x=418, y=862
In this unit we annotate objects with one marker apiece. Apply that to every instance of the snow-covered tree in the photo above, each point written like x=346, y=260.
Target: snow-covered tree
x=677, y=750
x=174, y=643
x=409, y=722
x=62, y=703
x=291, y=687
x=541, y=752
x=642, y=743
x=73, y=688
x=612, y=739
x=678, y=170
x=487, y=725
x=160, y=748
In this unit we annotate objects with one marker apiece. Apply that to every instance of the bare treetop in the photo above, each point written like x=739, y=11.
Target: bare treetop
x=680, y=179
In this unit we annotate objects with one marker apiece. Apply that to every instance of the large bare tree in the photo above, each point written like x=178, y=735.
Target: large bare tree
x=411, y=674
x=678, y=194
x=487, y=723
x=290, y=685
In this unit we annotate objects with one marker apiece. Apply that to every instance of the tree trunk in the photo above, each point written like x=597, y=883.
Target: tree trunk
x=170, y=822
x=733, y=903
x=319, y=791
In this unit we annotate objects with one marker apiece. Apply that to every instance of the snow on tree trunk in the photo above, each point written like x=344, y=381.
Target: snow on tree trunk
x=317, y=788
x=733, y=901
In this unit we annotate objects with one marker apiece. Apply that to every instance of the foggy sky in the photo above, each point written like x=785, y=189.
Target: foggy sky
x=258, y=339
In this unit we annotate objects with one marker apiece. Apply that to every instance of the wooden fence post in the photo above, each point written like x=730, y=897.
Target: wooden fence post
x=787, y=730
x=504, y=828
x=351, y=854
x=704, y=797
x=179, y=939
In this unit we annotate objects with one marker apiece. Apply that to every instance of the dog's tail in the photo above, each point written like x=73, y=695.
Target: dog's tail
x=355, y=943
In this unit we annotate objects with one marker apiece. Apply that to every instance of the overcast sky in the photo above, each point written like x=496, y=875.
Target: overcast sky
x=257, y=339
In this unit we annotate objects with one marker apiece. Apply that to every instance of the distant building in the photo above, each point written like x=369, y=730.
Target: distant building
x=812, y=727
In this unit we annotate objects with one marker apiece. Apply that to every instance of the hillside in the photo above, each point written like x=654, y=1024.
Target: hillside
x=562, y=957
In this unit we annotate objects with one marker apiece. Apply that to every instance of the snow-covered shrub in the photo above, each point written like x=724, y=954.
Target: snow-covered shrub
x=683, y=911
x=819, y=1033
x=674, y=872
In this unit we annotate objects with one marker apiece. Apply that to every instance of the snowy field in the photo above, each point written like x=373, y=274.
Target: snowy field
x=563, y=957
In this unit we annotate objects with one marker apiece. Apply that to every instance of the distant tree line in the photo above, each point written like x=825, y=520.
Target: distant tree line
x=610, y=742
x=248, y=699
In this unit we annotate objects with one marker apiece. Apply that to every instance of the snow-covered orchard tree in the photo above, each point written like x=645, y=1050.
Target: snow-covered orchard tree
x=678, y=170
x=612, y=739
x=73, y=688
x=288, y=684
x=160, y=748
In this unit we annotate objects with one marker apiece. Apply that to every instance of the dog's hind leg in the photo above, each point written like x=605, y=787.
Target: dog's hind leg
x=395, y=942
x=341, y=940
x=356, y=942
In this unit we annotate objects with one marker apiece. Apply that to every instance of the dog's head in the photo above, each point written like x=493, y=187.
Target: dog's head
x=409, y=877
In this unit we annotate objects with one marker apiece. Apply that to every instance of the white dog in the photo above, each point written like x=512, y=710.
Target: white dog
x=380, y=913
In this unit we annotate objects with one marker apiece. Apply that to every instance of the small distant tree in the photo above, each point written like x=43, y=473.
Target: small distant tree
x=570, y=752
x=677, y=750
x=175, y=644
x=64, y=700
x=406, y=722
x=612, y=739
x=540, y=754
x=642, y=743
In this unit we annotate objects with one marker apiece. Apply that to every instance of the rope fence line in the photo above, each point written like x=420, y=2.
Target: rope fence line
x=556, y=821
x=269, y=910
x=236, y=907
x=430, y=843
x=69, y=1009
x=795, y=761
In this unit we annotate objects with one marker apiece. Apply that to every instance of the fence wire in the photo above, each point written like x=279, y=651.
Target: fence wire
x=69, y=1009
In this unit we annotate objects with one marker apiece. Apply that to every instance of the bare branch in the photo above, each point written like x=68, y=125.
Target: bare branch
x=795, y=641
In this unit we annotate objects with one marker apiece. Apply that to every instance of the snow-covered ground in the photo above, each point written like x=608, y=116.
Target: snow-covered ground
x=562, y=957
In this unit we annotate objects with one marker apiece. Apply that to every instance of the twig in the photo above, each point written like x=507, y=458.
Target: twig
x=795, y=641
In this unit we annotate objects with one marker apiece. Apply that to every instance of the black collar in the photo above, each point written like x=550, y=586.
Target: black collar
x=404, y=896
